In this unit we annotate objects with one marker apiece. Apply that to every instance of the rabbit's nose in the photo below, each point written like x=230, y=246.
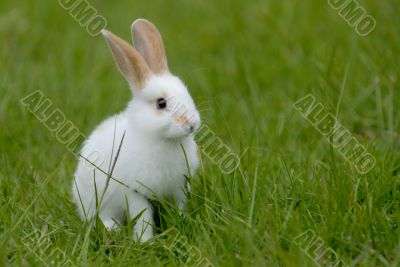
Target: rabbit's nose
x=182, y=120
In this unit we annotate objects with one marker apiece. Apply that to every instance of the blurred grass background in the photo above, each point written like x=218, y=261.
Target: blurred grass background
x=245, y=63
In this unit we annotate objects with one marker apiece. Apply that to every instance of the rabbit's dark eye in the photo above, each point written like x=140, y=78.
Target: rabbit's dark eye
x=161, y=103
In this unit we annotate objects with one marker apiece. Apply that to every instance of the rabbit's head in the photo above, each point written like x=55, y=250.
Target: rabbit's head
x=162, y=105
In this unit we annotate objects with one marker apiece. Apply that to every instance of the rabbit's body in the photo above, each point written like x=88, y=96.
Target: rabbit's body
x=144, y=167
x=158, y=149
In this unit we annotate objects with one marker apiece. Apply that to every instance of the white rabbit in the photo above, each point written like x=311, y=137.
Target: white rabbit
x=158, y=126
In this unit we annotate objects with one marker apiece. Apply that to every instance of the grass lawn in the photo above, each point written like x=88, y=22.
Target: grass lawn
x=246, y=63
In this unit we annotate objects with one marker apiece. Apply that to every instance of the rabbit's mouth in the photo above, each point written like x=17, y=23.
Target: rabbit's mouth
x=189, y=129
x=179, y=131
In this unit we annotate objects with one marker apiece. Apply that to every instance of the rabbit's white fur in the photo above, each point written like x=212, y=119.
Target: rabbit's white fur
x=151, y=162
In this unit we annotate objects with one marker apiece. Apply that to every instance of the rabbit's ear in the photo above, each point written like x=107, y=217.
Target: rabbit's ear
x=129, y=61
x=148, y=42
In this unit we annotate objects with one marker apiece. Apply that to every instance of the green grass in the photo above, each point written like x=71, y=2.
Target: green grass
x=246, y=63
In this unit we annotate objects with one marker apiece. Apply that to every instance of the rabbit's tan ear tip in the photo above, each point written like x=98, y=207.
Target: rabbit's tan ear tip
x=140, y=21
